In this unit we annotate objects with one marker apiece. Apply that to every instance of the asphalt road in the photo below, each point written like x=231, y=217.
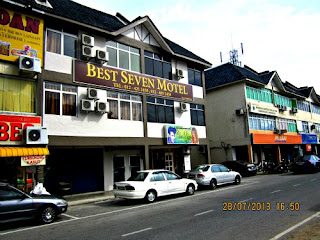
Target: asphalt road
x=258, y=208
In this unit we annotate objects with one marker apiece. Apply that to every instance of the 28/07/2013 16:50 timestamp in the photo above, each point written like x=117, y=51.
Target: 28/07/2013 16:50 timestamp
x=260, y=206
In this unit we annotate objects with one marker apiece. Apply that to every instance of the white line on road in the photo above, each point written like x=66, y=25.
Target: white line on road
x=275, y=191
x=296, y=185
x=246, y=200
x=143, y=230
x=198, y=214
x=295, y=226
x=312, y=180
x=69, y=216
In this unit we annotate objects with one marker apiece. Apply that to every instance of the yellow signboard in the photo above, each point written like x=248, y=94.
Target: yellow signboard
x=20, y=34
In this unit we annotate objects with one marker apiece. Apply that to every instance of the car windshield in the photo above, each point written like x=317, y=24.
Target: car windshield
x=201, y=168
x=140, y=176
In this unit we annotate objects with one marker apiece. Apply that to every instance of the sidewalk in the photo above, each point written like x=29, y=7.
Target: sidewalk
x=83, y=198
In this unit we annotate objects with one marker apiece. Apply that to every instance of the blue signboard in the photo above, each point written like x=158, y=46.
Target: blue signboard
x=309, y=138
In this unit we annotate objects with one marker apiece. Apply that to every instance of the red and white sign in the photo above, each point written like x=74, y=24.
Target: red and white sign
x=33, y=160
x=12, y=128
x=308, y=147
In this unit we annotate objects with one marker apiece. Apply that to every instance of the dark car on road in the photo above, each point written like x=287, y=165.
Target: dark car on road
x=17, y=205
x=306, y=164
x=242, y=167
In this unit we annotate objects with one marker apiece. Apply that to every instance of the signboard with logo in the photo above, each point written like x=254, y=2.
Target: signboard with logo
x=181, y=135
x=12, y=128
x=266, y=110
x=309, y=138
x=20, y=34
x=130, y=81
x=275, y=139
x=33, y=160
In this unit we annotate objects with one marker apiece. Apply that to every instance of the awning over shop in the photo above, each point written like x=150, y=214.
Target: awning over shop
x=22, y=151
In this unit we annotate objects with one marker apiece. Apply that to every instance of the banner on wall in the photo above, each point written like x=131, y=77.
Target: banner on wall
x=33, y=160
x=20, y=34
x=309, y=138
x=181, y=135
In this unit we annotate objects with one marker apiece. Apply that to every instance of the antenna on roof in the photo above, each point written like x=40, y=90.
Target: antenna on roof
x=233, y=56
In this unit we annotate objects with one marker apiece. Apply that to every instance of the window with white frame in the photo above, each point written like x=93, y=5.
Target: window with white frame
x=303, y=105
x=286, y=124
x=261, y=122
x=160, y=110
x=124, y=106
x=60, y=99
x=61, y=43
x=197, y=114
x=194, y=77
x=123, y=56
x=157, y=65
x=315, y=109
x=305, y=127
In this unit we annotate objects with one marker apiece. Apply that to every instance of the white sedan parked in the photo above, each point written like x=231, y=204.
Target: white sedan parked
x=213, y=175
x=150, y=184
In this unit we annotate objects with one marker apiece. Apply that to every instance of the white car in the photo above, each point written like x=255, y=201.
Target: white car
x=213, y=175
x=150, y=184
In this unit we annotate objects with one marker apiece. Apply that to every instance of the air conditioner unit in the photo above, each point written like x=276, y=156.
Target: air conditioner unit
x=87, y=105
x=240, y=112
x=102, y=55
x=87, y=40
x=36, y=135
x=179, y=73
x=102, y=107
x=92, y=93
x=183, y=107
x=87, y=51
x=29, y=64
x=294, y=110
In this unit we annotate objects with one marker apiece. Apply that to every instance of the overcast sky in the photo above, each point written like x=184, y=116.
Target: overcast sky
x=280, y=35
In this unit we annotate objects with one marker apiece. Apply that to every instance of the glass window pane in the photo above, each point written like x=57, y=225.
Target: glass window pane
x=148, y=66
x=113, y=59
x=160, y=100
x=113, y=106
x=125, y=110
x=169, y=115
x=69, y=88
x=53, y=42
x=136, y=111
x=157, y=56
x=190, y=76
x=151, y=99
x=197, y=80
x=52, y=103
x=112, y=44
x=149, y=54
x=135, y=63
x=69, y=48
x=112, y=94
x=69, y=105
x=134, y=50
x=167, y=72
x=169, y=102
x=201, y=118
x=124, y=60
x=161, y=114
x=158, y=69
x=124, y=96
x=124, y=47
x=194, y=120
x=151, y=113
x=53, y=86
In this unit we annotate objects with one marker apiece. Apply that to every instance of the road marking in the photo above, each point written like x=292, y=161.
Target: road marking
x=312, y=180
x=275, y=191
x=246, y=200
x=198, y=214
x=295, y=226
x=132, y=233
x=297, y=185
x=69, y=216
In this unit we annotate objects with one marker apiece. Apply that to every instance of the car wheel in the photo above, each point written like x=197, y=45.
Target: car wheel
x=190, y=189
x=151, y=196
x=237, y=180
x=48, y=214
x=213, y=184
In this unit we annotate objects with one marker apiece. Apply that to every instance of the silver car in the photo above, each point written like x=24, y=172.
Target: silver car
x=213, y=175
x=17, y=205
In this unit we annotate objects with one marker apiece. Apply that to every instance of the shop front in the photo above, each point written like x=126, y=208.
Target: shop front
x=23, y=153
x=275, y=147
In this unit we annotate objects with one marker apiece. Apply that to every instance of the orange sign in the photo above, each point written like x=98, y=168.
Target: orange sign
x=275, y=139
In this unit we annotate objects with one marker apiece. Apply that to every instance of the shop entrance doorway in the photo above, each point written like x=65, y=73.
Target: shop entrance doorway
x=118, y=169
